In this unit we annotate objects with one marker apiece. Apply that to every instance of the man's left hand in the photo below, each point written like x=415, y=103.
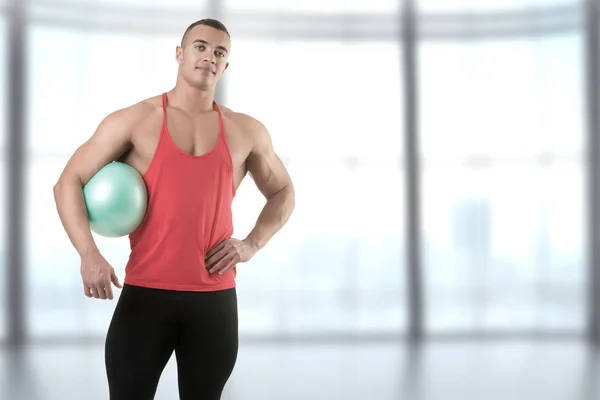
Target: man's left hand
x=227, y=254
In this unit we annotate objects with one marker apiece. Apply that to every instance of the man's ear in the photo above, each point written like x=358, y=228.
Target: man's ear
x=179, y=54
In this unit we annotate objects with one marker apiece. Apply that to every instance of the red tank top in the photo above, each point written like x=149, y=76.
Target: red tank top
x=189, y=212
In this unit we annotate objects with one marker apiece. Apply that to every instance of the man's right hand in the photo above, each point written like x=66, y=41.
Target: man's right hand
x=97, y=275
x=112, y=139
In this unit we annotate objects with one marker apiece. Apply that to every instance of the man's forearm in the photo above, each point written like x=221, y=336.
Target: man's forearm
x=73, y=215
x=272, y=218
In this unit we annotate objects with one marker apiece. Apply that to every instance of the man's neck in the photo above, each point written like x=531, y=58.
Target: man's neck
x=191, y=100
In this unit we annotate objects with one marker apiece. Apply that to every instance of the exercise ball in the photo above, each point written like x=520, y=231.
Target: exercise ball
x=116, y=199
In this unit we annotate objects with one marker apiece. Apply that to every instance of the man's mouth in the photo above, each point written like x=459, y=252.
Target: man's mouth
x=206, y=69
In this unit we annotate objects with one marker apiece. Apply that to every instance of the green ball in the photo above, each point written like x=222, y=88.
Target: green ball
x=116, y=200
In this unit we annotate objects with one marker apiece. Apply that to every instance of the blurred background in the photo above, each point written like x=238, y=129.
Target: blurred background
x=445, y=153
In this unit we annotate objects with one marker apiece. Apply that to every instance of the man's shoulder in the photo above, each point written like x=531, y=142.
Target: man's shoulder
x=146, y=106
x=134, y=112
x=245, y=122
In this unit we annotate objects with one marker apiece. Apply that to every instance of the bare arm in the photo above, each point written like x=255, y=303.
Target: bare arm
x=111, y=139
x=274, y=182
x=272, y=179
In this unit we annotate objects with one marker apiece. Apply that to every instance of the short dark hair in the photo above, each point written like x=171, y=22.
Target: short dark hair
x=213, y=23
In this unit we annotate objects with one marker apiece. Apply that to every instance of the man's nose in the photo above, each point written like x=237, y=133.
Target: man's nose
x=210, y=58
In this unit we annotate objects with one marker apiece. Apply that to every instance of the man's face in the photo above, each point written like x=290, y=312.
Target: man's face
x=203, y=57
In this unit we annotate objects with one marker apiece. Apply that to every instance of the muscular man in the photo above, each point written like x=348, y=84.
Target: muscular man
x=178, y=294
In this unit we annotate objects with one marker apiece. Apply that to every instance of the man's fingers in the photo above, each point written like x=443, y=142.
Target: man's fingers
x=108, y=291
x=99, y=291
x=215, y=267
x=115, y=280
x=228, y=267
x=223, y=262
x=102, y=291
x=216, y=257
x=216, y=249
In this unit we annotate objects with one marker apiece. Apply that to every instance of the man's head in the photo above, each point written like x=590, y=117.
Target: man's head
x=203, y=53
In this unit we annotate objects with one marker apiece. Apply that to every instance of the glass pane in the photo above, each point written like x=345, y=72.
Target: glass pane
x=55, y=300
x=314, y=5
x=504, y=247
x=488, y=5
x=316, y=110
x=3, y=81
x=90, y=74
x=338, y=264
x=3, y=191
x=336, y=267
x=147, y=4
x=507, y=98
x=3, y=247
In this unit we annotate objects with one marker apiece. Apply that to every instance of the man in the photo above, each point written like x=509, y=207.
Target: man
x=179, y=289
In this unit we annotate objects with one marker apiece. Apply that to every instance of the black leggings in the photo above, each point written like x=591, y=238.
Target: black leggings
x=149, y=324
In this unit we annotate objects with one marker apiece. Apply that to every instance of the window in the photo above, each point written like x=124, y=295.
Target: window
x=3, y=86
x=86, y=75
x=327, y=111
x=502, y=99
x=501, y=129
x=503, y=185
x=488, y=5
x=3, y=192
x=337, y=265
x=101, y=72
x=326, y=6
x=145, y=4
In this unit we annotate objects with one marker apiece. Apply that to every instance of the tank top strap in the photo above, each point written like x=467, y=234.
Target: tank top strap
x=221, y=124
x=223, y=137
x=164, y=106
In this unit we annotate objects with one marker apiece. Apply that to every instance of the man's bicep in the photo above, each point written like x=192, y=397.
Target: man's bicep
x=264, y=165
x=111, y=139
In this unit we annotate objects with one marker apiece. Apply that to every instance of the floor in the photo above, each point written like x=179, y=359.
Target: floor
x=444, y=370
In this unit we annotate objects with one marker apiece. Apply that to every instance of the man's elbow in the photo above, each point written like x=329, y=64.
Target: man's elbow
x=292, y=194
x=58, y=186
x=64, y=183
x=290, y=197
x=58, y=189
